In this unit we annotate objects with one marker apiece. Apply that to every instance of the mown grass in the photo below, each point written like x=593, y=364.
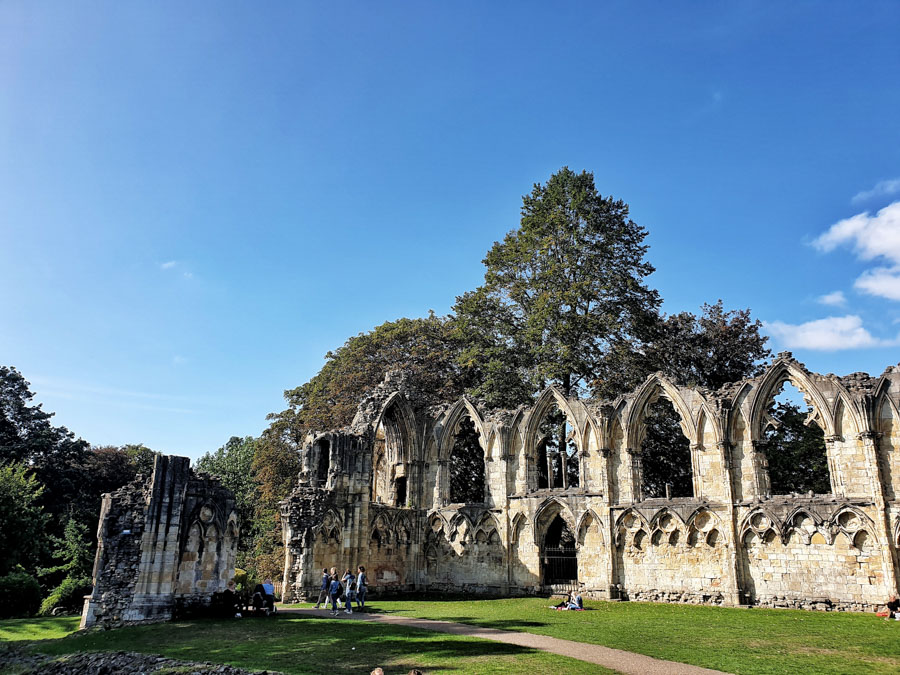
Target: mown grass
x=40, y=628
x=301, y=644
x=743, y=641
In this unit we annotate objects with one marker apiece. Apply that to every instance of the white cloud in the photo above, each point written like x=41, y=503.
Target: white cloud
x=168, y=265
x=881, y=281
x=829, y=334
x=872, y=237
x=835, y=299
x=884, y=188
x=188, y=275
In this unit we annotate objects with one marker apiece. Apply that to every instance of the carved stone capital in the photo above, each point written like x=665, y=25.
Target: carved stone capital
x=869, y=435
x=604, y=452
x=834, y=438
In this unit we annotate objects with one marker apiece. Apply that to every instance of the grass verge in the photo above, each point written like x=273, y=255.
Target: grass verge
x=742, y=641
x=299, y=644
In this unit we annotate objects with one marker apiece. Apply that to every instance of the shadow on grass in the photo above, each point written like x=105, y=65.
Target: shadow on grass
x=295, y=644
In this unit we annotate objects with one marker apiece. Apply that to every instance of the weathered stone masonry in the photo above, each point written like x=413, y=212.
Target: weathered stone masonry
x=377, y=494
x=167, y=541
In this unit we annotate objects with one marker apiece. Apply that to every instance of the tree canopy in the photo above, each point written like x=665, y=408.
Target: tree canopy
x=562, y=293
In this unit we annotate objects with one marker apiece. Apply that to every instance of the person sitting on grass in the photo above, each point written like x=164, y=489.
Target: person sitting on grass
x=576, y=603
x=564, y=604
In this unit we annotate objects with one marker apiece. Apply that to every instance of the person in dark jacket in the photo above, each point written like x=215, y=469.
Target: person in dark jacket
x=323, y=592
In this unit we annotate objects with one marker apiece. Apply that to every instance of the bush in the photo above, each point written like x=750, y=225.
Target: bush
x=20, y=595
x=68, y=596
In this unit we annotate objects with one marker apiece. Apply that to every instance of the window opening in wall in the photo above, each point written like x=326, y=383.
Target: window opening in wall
x=665, y=453
x=557, y=452
x=324, y=460
x=795, y=446
x=558, y=557
x=466, y=465
x=400, y=484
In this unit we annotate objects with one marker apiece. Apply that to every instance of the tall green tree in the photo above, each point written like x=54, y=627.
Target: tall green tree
x=22, y=519
x=233, y=465
x=426, y=349
x=563, y=293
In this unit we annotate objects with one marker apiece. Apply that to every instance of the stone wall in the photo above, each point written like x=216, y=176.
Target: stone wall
x=380, y=497
x=167, y=541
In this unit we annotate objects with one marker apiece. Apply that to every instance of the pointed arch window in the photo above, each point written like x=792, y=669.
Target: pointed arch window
x=556, y=455
x=794, y=445
x=667, y=468
x=467, y=480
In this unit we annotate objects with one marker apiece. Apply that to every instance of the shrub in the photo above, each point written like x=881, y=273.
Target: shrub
x=20, y=595
x=69, y=595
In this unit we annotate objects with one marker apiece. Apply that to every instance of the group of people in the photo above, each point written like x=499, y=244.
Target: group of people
x=346, y=589
x=570, y=602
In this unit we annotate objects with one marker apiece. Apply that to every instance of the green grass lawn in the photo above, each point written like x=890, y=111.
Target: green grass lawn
x=744, y=641
x=298, y=644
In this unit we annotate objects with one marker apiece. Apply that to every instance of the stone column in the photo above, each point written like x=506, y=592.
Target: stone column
x=869, y=441
x=637, y=474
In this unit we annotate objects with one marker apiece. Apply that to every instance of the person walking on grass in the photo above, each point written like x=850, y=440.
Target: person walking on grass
x=349, y=592
x=334, y=591
x=361, y=586
x=323, y=592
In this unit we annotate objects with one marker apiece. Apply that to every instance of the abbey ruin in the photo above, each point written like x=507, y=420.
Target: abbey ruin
x=165, y=542
x=576, y=514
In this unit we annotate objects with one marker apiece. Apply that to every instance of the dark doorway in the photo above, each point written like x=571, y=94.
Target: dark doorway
x=324, y=462
x=558, y=557
x=400, y=484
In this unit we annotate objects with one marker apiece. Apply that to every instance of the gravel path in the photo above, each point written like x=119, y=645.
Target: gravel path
x=616, y=659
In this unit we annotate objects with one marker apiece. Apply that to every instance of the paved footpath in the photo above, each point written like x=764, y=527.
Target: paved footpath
x=616, y=659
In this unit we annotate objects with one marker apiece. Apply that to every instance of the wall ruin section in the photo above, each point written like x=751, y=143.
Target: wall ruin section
x=384, y=499
x=166, y=542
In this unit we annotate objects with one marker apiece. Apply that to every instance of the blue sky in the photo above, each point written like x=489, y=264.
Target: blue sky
x=199, y=200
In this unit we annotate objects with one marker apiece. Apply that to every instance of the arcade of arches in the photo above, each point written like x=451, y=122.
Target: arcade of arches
x=555, y=495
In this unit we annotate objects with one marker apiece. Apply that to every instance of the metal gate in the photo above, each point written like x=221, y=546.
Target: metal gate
x=560, y=564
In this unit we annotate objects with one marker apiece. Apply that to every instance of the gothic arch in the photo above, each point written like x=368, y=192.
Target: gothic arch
x=587, y=519
x=405, y=420
x=462, y=408
x=782, y=371
x=654, y=386
x=548, y=510
x=519, y=522
x=550, y=396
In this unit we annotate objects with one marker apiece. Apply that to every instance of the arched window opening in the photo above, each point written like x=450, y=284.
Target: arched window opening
x=558, y=557
x=389, y=460
x=557, y=453
x=795, y=446
x=466, y=465
x=665, y=454
x=324, y=462
x=400, y=487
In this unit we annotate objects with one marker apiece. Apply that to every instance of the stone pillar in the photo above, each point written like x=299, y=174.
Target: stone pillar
x=637, y=474
x=760, y=463
x=869, y=441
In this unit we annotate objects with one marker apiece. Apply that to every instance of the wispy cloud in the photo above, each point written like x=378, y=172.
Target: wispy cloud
x=168, y=265
x=872, y=237
x=884, y=188
x=830, y=334
x=835, y=299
